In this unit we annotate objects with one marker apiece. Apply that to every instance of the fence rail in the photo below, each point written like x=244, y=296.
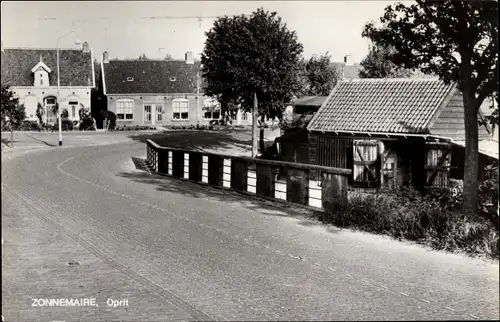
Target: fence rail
x=305, y=184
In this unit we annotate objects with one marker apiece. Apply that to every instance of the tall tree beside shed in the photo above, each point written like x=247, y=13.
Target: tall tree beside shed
x=13, y=114
x=456, y=40
x=377, y=64
x=249, y=58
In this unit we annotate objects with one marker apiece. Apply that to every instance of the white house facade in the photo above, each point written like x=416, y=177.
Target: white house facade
x=32, y=77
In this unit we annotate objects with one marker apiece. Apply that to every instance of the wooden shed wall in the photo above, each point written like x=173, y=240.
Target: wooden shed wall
x=450, y=123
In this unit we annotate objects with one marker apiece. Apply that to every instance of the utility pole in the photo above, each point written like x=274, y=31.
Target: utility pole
x=254, y=126
x=198, y=99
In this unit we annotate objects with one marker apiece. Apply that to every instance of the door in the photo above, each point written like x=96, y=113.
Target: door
x=367, y=161
x=148, y=117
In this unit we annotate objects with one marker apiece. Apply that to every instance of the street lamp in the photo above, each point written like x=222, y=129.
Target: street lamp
x=59, y=85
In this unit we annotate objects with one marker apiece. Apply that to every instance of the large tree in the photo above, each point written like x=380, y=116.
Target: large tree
x=317, y=76
x=250, y=57
x=98, y=101
x=13, y=114
x=457, y=41
x=378, y=64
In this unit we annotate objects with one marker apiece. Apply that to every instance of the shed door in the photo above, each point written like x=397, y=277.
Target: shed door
x=366, y=168
x=438, y=161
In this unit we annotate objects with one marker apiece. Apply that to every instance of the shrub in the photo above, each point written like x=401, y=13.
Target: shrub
x=66, y=125
x=30, y=126
x=404, y=213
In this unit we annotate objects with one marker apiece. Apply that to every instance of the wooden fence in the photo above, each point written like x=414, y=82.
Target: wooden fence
x=311, y=185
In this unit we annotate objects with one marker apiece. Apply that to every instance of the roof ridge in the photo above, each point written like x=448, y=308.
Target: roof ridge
x=150, y=60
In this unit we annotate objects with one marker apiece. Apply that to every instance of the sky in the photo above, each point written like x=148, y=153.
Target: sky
x=124, y=30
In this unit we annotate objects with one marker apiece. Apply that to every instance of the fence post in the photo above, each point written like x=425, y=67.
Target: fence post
x=204, y=169
x=251, y=179
x=279, y=187
x=226, y=173
x=170, y=157
x=186, y=165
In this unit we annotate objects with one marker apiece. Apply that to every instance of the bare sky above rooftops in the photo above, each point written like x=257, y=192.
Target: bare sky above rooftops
x=123, y=29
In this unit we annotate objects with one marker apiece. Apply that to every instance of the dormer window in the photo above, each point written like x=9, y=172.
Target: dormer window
x=130, y=79
x=172, y=79
x=41, y=73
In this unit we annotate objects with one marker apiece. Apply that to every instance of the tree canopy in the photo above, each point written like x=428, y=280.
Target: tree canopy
x=457, y=41
x=378, y=64
x=317, y=76
x=13, y=114
x=247, y=55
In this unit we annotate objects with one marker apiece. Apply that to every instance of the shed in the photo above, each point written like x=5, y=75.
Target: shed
x=388, y=131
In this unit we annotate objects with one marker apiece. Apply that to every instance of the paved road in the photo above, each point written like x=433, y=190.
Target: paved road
x=83, y=222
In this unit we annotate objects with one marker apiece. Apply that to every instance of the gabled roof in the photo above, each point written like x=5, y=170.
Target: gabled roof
x=150, y=77
x=75, y=65
x=42, y=65
x=405, y=106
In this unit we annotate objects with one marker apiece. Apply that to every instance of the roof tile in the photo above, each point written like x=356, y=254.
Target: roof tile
x=75, y=66
x=150, y=76
x=381, y=105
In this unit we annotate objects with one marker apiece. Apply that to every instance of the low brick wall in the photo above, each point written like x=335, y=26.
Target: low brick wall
x=304, y=184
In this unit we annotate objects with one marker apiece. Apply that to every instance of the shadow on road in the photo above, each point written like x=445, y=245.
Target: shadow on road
x=197, y=140
x=198, y=191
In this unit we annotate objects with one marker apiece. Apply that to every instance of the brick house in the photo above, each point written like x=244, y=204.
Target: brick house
x=159, y=92
x=388, y=131
x=32, y=75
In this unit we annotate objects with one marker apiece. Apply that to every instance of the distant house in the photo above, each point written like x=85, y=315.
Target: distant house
x=388, y=131
x=32, y=76
x=159, y=92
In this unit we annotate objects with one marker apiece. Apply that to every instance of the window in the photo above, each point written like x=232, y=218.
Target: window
x=130, y=79
x=211, y=108
x=41, y=79
x=124, y=110
x=172, y=79
x=159, y=112
x=73, y=105
x=180, y=108
x=244, y=116
x=50, y=101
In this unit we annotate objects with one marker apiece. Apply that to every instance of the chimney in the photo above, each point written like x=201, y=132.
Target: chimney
x=189, y=58
x=348, y=60
x=105, y=57
x=85, y=47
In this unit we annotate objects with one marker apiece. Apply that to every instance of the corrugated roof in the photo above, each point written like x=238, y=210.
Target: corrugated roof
x=309, y=101
x=150, y=76
x=381, y=105
x=75, y=66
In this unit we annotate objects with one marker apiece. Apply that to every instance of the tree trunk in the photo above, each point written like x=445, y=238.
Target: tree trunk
x=471, y=171
x=254, y=126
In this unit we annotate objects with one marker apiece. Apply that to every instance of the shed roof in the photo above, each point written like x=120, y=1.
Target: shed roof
x=404, y=106
x=150, y=76
x=75, y=65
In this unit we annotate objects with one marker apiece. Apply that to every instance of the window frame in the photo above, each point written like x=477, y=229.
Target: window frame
x=159, y=114
x=214, y=105
x=180, y=107
x=124, y=109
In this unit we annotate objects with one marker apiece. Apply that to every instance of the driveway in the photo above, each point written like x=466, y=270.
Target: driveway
x=83, y=222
